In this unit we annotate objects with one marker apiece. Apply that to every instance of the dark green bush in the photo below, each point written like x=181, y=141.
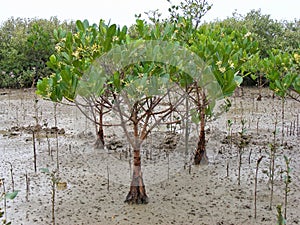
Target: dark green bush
x=25, y=47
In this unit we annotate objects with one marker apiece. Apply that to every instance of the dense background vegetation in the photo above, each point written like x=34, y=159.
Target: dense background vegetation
x=25, y=47
x=27, y=44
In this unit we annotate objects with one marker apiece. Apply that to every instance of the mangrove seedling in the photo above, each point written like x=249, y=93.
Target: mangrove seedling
x=34, y=148
x=229, y=124
x=4, y=196
x=287, y=181
x=54, y=181
x=56, y=135
x=255, y=184
x=280, y=218
x=241, y=148
x=12, y=176
x=273, y=149
x=27, y=181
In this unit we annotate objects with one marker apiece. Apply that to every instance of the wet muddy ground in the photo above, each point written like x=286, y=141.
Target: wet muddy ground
x=93, y=183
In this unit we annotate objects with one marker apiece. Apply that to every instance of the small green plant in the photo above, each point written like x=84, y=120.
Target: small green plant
x=280, y=218
x=229, y=124
x=4, y=196
x=241, y=148
x=54, y=181
x=56, y=135
x=273, y=150
x=255, y=184
x=287, y=181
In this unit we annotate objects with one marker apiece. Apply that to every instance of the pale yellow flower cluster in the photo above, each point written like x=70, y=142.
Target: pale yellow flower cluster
x=219, y=63
x=57, y=48
x=139, y=89
x=76, y=54
x=95, y=48
x=231, y=64
x=297, y=57
x=248, y=34
x=222, y=69
x=115, y=38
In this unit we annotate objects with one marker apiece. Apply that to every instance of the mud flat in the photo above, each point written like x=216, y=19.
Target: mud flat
x=178, y=194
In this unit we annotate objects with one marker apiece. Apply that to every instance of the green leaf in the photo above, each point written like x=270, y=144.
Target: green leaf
x=253, y=76
x=66, y=76
x=11, y=195
x=69, y=41
x=109, y=37
x=55, y=34
x=45, y=170
x=116, y=80
x=296, y=84
x=66, y=56
x=122, y=34
x=140, y=26
x=42, y=86
x=52, y=59
x=79, y=26
x=238, y=80
x=279, y=85
x=86, y=23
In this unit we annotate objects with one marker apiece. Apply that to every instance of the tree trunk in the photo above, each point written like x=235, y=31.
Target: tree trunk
x=200, y=153
x=137, y=193
x=100, y=133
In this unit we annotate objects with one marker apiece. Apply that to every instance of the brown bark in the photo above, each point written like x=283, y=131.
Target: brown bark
x=100, y=133
x=137, y=193
x=200, y=153
x=100, y=139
